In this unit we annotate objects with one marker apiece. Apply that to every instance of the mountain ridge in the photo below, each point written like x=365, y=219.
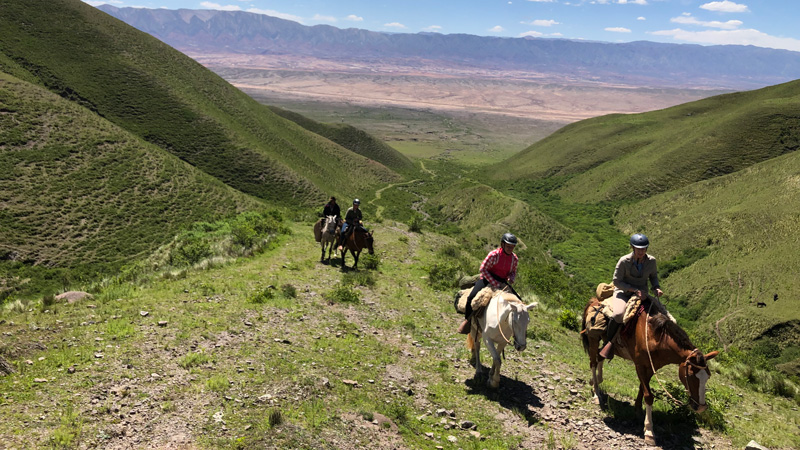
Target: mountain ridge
x=637, y=63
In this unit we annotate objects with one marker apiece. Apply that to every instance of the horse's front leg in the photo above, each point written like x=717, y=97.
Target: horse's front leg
x=494, y=374
x=644, y=392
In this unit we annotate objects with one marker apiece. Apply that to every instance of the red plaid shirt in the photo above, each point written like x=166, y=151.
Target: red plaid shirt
x=502, y=265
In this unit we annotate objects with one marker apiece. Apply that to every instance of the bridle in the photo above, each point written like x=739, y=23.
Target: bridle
x=510, y=323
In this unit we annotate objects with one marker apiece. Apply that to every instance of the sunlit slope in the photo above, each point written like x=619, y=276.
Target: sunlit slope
x=638, y=155
x=159, y=94
x=487, y=214
x=750, y=223
x=77, y=190
x=352, y=139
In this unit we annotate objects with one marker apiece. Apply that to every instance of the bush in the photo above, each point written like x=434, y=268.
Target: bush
x=358, y=279
x=569, y=320
x=342, y=294
x=262, y=297
x=370, y=262
x=289, y=291
x=415, y=226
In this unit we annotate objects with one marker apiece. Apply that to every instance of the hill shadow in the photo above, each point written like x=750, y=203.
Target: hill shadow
x=514, y=395
x=673, y=431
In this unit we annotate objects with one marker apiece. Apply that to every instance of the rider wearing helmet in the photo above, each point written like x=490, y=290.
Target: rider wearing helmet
x=497, y=269
x=332, y=209
x=631, y=276
x=352, y=218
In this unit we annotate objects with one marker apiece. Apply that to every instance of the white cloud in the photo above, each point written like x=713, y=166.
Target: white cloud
x=531, y=34
x=617, y=30
x=273, y=13
x=219, y=7
x=641, y=18
x=689, y=20
x=496, y=29
x=732, y=37
x=319, y=18
x=725, y=6
x=556, y=34
x=542, y=23
x=632, y=2
x=354, y=18
x=395, y=25
x=432, y=28
x=102, y=2
x=540, y=1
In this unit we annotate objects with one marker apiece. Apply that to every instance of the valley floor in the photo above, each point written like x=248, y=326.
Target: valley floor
x=266, y=352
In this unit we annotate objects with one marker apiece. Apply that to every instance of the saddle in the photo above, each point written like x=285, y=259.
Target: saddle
x=481, y=300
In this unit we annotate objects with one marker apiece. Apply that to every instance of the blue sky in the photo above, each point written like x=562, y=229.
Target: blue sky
x=763, y=23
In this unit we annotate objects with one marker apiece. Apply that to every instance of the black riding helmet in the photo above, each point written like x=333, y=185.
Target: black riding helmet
x=509, y=238
x=639, y=240
x=356, y=202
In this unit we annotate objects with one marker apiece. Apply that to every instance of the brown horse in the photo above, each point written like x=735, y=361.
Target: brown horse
x=358, y=240
x=656, y=342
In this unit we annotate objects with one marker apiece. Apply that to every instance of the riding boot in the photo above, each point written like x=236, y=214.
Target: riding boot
x=464, y=328
x=608, y=350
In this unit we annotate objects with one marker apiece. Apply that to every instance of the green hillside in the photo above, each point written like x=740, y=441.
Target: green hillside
x=747, y=224
x=634, y=156
x=167, y=99
x=352, y=139
x=79, y=191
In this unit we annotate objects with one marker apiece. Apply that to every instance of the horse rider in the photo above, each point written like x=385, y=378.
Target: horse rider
x=497, y=269
x=352, y=218
x=332, y=209
x=630, y=278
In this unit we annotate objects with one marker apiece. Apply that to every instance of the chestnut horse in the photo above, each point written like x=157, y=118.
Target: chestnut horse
x=657, y=341
x=358, y=240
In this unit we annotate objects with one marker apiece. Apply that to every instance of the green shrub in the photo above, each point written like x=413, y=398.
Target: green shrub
x=342, y=294
x=358, y=279
x=264, y=296
x=370, y=262
x=288, y=291
x=445, y=275
x=415, y=226
x=569, y=320
x=193, y=359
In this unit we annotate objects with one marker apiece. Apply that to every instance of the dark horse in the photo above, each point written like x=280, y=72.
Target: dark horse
x=656, y=342
x=359, y=239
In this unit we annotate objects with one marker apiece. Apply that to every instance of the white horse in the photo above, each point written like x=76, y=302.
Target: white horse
x=506, y=318
x=328, y=237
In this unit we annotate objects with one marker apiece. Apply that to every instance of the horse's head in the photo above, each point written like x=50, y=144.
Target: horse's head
x=694, y=374
x=519, y=319
x=330, y=224
x=369, y=244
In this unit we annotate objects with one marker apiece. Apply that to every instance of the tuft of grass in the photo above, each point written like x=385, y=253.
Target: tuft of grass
x=342, y=294
x=218, y=383
x=193, y=359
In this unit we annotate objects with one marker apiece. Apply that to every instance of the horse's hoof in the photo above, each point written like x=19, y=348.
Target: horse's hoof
x=493, y=384
x=649, y=440
x=596, y=400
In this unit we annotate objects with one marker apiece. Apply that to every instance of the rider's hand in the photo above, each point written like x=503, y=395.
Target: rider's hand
x=659, y=292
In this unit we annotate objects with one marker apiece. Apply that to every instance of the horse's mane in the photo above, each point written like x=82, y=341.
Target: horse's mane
x=663, y=325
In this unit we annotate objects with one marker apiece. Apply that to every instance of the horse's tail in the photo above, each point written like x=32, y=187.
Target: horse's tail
x=584, y=332
x=470, y=342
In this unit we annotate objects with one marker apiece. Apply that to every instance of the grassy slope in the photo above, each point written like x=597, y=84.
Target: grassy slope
x=749, y=222
x=263, y=366
x=638, y=155
x=78, y=190
x=166, y=98
x=352, y=139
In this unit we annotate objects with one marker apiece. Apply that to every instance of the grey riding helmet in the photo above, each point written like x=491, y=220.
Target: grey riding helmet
x=639, y=240
x=509, y=238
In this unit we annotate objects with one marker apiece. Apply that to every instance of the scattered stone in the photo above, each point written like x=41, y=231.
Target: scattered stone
x=452, y=439
x=144, y=313
x=247, y=323
x=98, y=355
x=326, y=382
x=350, y=383
x=753, y=445
x=476, y=435
x=163, y=323
x=40, y=380
x=71, y=369
x=467, y=425
x=74, y=296
x=28, y=362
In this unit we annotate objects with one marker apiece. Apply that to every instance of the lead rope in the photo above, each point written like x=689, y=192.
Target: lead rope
x=652, y=366
x=500, y=325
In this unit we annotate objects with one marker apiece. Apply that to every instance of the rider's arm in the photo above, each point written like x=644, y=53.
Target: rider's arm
x=512, y=274
x=488, y=263
x=619, y=277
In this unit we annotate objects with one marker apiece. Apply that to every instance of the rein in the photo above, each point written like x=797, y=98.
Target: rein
x=652, y=366
x=499, y=325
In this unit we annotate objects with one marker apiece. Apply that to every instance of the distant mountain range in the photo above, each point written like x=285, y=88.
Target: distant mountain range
x=636, y=63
